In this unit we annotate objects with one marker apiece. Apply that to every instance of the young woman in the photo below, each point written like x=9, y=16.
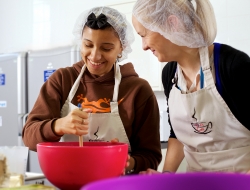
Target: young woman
x=204, y=85
x=116, y=103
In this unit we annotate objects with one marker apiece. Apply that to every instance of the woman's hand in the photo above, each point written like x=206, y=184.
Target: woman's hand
x=76, y=123
x=149, y=172
x=116, y=140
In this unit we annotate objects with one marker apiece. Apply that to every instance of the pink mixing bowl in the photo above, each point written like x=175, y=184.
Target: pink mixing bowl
x=68, y=166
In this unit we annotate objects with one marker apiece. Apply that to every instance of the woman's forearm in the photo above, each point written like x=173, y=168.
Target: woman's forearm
x=174, y=155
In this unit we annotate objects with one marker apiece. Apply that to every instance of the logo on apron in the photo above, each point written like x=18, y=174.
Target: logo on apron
x=96, y=139
x=201, y=127
x=100, y=106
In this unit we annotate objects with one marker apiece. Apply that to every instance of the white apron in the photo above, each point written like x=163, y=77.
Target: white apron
x=211, y=143
x=102, y=126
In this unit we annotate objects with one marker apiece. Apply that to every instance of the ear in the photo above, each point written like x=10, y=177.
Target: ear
x=121, y=49
x=173, y=23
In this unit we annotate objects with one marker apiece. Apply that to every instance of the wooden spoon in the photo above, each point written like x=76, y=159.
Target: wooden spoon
x=80, y=141
x=80, y=137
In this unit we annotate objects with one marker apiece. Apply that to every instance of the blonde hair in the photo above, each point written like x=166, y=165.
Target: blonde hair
x=206, y=14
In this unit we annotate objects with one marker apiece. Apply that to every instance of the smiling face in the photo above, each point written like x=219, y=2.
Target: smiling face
x=100, y=49
x=162, y=48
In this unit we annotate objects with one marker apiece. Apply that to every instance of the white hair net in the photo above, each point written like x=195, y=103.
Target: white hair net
x=188, y=23
x=116, y=19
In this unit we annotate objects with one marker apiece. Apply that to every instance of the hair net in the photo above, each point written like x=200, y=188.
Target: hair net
x=188, y=23
x=116, y=19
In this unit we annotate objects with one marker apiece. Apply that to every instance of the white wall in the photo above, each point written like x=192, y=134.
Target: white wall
x=233, y=18
x=40, y=24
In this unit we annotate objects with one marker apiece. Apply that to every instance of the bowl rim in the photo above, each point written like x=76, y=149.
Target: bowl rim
x=109, y=145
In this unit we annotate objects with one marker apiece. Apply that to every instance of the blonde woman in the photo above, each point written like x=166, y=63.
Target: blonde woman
x=204, y=85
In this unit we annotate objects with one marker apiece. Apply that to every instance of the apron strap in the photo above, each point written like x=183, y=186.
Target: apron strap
x=76, y=84
x=201, y=78
x=204, y=59
x=118, y=77
x=216, y=66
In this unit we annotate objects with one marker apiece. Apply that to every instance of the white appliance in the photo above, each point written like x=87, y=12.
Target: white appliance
x=40, y=65
x=13, y=104
x=164, y=127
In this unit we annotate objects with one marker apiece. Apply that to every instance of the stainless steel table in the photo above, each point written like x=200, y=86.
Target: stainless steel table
x=34, y=178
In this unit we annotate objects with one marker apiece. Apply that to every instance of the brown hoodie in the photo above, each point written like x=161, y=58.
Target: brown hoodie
x=138, y=109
